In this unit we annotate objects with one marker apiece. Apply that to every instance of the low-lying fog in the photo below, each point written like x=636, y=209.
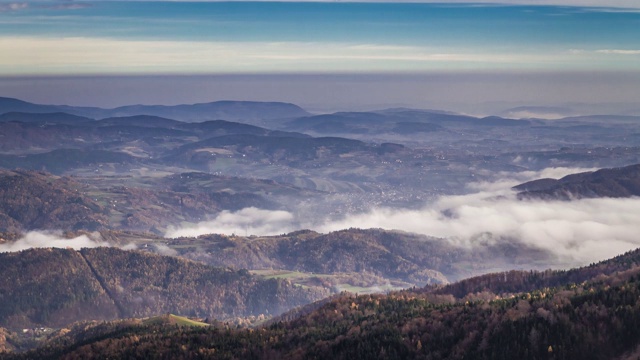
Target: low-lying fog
x=48, y=239
x=578, y=231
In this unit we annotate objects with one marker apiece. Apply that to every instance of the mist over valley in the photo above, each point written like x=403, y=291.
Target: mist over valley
x=315, y=205
x=477, y=187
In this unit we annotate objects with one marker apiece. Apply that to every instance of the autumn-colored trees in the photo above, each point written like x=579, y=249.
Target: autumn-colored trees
x=597, y=318
x=54, y=287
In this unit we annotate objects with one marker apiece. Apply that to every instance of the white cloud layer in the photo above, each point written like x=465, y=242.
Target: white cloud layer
x=248, y=221
x=619, y=51
x=45, y=239
x=578, y=232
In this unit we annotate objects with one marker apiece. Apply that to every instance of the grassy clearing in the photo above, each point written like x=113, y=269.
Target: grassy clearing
x=334, y=282
x=367, y=290
x=180, y=320
x=282, y=274
x=174, y=319
x=291, y=275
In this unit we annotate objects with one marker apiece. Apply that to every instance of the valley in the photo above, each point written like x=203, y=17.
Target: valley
x=271, y=216
x=118, y=162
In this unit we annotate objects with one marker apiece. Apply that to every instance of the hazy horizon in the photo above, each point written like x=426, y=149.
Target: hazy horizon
x=324, y=56
x=474, y=93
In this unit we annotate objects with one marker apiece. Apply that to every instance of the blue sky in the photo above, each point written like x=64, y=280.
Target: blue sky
x=72, y=38
x=324, y=55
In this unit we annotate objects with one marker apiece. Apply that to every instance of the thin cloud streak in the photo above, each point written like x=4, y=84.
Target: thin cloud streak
x=619, y=52
x=41, y=55
x=631, y=4
x=13, y=6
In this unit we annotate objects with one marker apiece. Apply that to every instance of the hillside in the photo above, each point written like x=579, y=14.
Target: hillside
x=513, y=282
x=379, y=255
x=55, y=287
x=39, y=200
x=34, y=200
x=615, y=183
x=598, y=318
x=278, y=148
x=376, y=256
x=60, y=161
x=362, y=261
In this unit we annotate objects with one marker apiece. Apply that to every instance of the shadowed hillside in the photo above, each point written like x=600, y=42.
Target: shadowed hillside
x=33, y=200
x=389, y=255
x=54, y=287
x=598, y=318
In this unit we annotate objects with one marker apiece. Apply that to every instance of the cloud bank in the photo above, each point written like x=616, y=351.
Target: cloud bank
x=45, y=239
x=577, y=232
x=248, y=221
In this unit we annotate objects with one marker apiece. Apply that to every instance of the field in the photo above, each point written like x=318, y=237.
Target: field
x=175, y=319
x=355, y=283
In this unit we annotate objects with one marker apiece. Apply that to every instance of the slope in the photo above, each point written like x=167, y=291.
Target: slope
x=55, y=287
x=616, y=183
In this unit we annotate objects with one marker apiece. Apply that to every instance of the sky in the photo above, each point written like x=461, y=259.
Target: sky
x=91, y=42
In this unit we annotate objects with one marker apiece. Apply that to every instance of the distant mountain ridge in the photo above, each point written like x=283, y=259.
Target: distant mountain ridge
x=395, y=121
x=244, y=111
x=44, y=118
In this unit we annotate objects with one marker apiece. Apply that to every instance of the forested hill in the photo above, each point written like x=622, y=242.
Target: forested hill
x=55, y=287
x=513, y=282
x=598, y=318
x=38, y=200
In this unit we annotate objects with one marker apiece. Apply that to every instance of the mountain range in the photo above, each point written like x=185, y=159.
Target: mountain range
x=219, y=110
